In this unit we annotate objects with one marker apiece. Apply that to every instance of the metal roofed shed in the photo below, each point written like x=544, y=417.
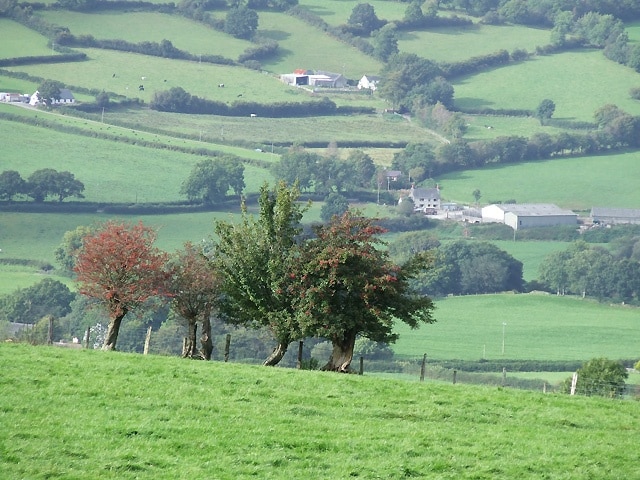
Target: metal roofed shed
x=615, y=215
x=529, y=215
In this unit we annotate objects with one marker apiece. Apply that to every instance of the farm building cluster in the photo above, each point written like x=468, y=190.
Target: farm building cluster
x=66, y=97
x=323, y=79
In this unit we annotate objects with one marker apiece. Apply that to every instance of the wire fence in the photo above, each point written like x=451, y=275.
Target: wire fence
x=238, y=347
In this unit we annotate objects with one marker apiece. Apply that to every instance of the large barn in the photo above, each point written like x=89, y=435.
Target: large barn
x=528, y=215
x=615, y=215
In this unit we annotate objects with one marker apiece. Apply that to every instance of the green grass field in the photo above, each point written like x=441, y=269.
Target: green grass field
x=369, y=128
x=137, y=27
x=92, y=414
x=337, y=12
x=458, y=44
x=20, y=41
x=578, y=91
x=575, y=183
x=299, y=48
x=538, y=326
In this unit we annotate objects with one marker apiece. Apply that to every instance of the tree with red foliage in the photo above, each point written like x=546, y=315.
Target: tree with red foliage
x=345, y=286
x=194, y=287
x=119, y=267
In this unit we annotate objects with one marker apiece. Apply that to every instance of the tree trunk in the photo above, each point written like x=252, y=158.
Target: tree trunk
x=206, y=343
x=276, y=355
x=342, y=354
x=190, y=350
x=113, y=329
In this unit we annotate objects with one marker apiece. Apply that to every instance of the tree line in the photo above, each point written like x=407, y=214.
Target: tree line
x=262, y=272
x=40, y=185
x=178, y=100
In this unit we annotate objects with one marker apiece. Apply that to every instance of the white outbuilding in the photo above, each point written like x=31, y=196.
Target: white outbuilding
x=528, y=215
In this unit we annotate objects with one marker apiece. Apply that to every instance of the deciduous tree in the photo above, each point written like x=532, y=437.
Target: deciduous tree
x=119, y=267
x=28, y=305
x=255, y=258
x=241, y=22
x=11, y=184
x=211, y=180
x=194, y=288
x=71, y=244
x=346, y=286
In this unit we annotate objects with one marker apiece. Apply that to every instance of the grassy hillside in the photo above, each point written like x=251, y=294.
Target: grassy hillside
x=20, y=41
x=591, y=82
x=543, y=327
x=88, y=414
x=136, y=27
x=577, y=183
x=458, y=44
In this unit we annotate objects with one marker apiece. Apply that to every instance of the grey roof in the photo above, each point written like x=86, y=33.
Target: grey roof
x=65, y=94
x=425, y=193
x=534, y=209
x=615, y=212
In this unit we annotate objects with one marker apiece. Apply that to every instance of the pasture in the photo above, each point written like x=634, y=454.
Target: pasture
x=538, y=326
x=455, y=44
x=45, y=231
x=337, y=12
x=378, y=128
x=20, y=41
x=112, y=172
x=137, y=27
x=576, y=183
x=122, y=72
x=300, y=48
x=590, y=82
x=94, y=414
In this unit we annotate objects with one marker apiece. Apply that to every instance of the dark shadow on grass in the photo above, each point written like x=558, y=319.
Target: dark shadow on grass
x=277, y=35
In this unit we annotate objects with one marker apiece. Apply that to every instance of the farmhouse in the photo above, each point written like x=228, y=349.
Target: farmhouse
x=368, y=81
x=528, y=215
x=65, y=97
x=614, y=215
x=312, y=78
x=425, y=199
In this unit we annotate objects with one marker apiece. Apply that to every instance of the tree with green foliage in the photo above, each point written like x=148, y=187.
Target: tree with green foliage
x=210, y=180
x=545, y=110
x=49, y=182
x=416, y=159
x=48, y=90
x=194, y=288
x=119, y=267
x=407, y=77
x=334, y=204
x=385, y=42
x=28, y=305
x=469, y=268
x=71, y=244
x=413, y=14
x=365, y=169
x=255, y=258
x=297, y=166
x=11, y=184
x=363, y=17
x=405, y=207
x=241, y=22
x=345, y=286
x=601, y=377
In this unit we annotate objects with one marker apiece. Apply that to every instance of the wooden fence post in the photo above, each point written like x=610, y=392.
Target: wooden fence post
x=50, y=331
x=147, y=341
x=504, y=376
x=299, y=364
x=227, y=344
x=454, y=376
x=361, y=366
x=423, y=367
x=86, y=341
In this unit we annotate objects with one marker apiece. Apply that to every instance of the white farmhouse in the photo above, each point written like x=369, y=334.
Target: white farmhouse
x=527, y=215
x=425, y=199
x=368, y=81
x=66, y=97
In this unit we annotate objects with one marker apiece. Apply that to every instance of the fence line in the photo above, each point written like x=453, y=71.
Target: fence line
x=143, y=339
